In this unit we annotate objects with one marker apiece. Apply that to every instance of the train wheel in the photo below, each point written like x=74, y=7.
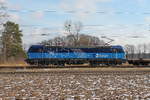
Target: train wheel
x=60, y=64
x=92, y=64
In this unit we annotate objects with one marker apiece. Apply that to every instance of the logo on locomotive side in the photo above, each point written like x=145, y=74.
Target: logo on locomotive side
x=101, y=56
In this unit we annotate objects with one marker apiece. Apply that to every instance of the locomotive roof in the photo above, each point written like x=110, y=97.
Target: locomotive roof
x=40, y=46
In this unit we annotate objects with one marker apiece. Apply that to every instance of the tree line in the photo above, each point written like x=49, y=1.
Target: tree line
x=83, y=41
x=74, y=37
x=138, y=51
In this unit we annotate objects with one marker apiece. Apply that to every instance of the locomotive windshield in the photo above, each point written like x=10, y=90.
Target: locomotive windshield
x=36, y=48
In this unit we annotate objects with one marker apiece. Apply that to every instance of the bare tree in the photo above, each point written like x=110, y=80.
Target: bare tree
x=139, y=50
x=3, y=18
x=130, y=51
x=144, y=48
x=58, y=41
x=50, y=43
x=78, y=27
x=69, y=40
x=148, y=47
x=73, y=29
x=148, y=50
x=45, y=43
x=84, y=40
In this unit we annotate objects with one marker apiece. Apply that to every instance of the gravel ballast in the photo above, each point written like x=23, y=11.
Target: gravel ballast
x=52, y=86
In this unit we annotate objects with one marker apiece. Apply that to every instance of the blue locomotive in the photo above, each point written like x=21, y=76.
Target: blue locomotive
x=58, y=55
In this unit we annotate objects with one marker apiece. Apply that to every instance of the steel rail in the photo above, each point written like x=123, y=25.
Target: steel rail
x=143, y=72
x=74, y=66
x=77, y=69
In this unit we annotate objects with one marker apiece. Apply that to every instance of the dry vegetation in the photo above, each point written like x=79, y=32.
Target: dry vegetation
x=14, y=63
x=47, y=86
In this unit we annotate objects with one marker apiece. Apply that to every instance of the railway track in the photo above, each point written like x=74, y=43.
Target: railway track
x=78, y=70
x=72, y=66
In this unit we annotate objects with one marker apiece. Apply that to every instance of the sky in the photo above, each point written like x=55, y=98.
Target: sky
x=124, y=21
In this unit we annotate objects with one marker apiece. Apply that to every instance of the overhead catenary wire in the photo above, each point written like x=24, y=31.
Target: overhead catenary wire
x=78, y=11
x=49, y=32
x=86, y=26
x=75, y=11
